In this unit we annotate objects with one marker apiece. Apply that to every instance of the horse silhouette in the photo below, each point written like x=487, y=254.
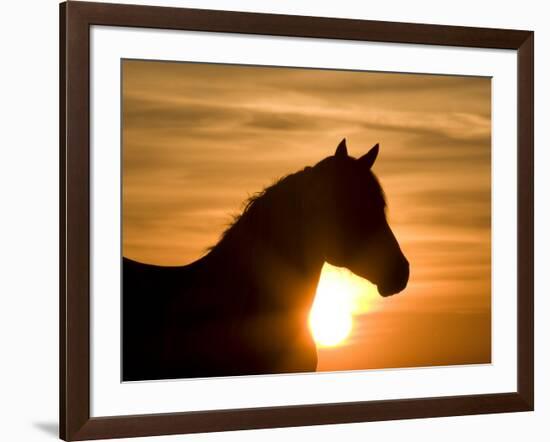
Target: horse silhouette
x=242, y=309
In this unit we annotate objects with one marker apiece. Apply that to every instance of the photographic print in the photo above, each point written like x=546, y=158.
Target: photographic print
x=301, y=220
x=292, y=220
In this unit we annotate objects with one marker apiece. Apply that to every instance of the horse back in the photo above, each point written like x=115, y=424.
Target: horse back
x=148, y=293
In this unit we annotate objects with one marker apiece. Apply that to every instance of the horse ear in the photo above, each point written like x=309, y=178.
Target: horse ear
x=369, y=158
x=341, y=150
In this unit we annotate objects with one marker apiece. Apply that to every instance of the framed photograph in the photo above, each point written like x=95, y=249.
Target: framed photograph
x=272, y=220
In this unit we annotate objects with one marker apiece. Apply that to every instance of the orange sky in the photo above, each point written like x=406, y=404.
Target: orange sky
x=198, y=139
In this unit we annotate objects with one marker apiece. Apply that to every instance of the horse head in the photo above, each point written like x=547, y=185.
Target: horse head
x=348, y=219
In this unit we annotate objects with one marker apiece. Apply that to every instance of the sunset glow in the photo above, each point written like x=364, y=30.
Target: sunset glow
x=199, y=139
x=340, y=295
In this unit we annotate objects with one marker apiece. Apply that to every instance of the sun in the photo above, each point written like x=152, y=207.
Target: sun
x=330, y=326
x=340, y=295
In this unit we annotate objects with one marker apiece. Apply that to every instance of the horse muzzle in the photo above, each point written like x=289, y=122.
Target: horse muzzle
x=396, y=280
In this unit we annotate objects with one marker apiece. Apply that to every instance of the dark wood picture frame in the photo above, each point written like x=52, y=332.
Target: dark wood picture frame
x=75, y=21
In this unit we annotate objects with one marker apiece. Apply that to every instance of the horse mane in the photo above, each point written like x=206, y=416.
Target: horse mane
x=270, y=196
x=276, y=196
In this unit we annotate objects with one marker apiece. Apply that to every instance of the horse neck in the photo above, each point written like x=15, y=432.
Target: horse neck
x=272, y=246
